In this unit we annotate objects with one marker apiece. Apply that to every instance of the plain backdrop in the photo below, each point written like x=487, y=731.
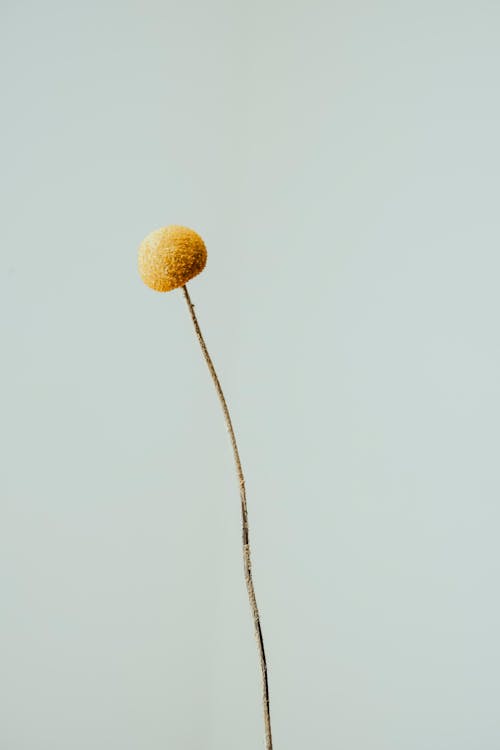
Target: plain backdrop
x=341, y=160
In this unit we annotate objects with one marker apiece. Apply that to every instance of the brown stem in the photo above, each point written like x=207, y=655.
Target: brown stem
x=244, y=519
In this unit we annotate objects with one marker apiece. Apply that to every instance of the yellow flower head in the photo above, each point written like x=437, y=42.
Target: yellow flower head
x=169, y=257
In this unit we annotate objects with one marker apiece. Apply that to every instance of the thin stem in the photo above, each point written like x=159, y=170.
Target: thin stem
x=244, y=519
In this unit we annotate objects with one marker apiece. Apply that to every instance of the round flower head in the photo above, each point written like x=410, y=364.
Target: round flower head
x=169, y=257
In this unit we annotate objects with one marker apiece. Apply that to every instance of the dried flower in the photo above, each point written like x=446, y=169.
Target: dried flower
x=169, y=257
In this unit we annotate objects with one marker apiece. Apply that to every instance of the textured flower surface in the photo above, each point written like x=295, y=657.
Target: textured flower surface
x=169, y=257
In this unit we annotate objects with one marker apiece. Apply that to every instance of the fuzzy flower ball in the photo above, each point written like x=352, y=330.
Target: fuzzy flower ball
x=169, y=257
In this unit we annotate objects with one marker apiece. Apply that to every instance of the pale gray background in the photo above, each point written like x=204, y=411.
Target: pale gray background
x=342, y=162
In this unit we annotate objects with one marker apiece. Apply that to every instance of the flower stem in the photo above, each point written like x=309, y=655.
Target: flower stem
x=244, y=520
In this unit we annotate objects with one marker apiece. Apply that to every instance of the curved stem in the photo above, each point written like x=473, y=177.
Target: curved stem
x=244, y=519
